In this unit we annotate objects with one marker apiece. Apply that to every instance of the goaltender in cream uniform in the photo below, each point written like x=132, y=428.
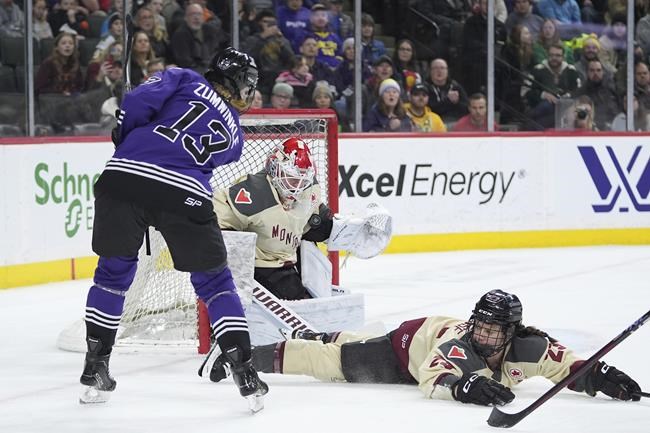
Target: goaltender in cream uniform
x=432, y=352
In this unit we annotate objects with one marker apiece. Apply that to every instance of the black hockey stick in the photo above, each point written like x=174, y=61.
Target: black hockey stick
x=501, y=419
x=641, y=394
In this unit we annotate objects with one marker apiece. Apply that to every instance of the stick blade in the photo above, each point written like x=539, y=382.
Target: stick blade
x=504, y=420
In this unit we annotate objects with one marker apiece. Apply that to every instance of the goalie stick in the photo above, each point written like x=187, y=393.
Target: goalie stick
x=501, y=419
x=276, y=309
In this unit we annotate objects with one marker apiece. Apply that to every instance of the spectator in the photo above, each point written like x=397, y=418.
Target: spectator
x=309, y=51
x=141, y=53
x=115, y=27
x=602, y=94
x=387, y=114
x=447, y=97
x=281, y=96
x=341, y=23
x=258, y=100
x=371, y=48
x=247, y=18
x=71, y=14
x=475, y=48
x=329, y=44
x=301, y=80
x=423, y=119
x=145, y=20
x=547, y=37
x=518, y=56
x=641, y=117
x=108, y=78
x=272, y=51
x=562, y=11
x=61, y=71
x=293, y=21
x=642, y=84
x=613, y=43
x=323, y=98
x=408, y=71
x=583, y=116
x=344, y=74
x=523, y=15
x=156, y=7
x=42, y=29
x=100, y=66
x=643, y=32
x=591, y=50
x=382, y=70
x=552, y=79
x=476, y=120
x=194, y=43
x=155, y=65
x=12, y=20
x=117, y=6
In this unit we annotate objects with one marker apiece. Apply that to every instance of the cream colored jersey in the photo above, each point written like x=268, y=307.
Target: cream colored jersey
x=252, y=204
x=436, y=351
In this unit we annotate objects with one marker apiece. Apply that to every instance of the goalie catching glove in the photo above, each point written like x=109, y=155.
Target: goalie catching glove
x=612, y=382
x=363, y=236
x=472, y=388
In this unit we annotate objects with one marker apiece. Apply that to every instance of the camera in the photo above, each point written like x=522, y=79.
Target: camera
x=581, y=113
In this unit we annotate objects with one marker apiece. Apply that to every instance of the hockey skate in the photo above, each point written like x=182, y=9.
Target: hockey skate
x=251, y=387
x=97, y=380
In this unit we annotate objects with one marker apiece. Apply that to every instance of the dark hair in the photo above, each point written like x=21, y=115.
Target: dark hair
x=264, y=13
x=411, y=65
x=525, y=331
x=477, y=96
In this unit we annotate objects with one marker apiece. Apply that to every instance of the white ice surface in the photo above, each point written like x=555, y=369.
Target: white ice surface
x=584, y=296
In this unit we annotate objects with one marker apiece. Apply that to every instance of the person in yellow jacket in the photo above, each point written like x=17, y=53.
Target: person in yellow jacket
x=421, y=115
x=472, y=361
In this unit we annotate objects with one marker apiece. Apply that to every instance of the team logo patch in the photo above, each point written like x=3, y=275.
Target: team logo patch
x=457, y=352
x=516, y=374
x=243, y=197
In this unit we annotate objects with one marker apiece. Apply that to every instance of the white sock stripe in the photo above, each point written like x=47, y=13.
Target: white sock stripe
x=229, y=325
x=103, y=325
x=220, y=333
x=101, y=321
x=229, y=319
x=102, y=313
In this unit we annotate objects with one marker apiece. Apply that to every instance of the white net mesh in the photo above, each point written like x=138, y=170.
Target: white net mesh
x=160, y=307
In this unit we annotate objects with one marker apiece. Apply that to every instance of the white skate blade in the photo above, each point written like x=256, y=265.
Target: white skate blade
x=91, y=395
x=255, y=403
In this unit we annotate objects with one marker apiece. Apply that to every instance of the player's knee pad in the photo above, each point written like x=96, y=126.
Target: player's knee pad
x=210, y=284
x=371, y=361
x=115, y=274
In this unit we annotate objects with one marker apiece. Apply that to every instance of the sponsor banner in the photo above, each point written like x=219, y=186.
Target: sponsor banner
x=48, y=200
x=499, y=183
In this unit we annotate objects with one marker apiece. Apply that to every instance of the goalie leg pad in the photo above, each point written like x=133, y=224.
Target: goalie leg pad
x=283, y=282
x=372, y=361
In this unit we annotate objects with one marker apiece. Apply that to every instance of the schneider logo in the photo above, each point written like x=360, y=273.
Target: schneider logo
x=611, y=176
x=423, y=180
x=73, y=191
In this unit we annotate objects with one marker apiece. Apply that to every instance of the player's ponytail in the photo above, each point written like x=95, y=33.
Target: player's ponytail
x=525, y=331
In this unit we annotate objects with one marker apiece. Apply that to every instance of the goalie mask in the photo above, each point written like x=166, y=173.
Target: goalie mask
x=291, y=169
x=493, y=322
x=234, y=76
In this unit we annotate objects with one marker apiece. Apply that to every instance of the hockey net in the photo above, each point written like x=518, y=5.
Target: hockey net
x=161, y=309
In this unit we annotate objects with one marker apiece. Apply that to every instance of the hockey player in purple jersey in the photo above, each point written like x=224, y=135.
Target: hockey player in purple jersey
x=174, y=130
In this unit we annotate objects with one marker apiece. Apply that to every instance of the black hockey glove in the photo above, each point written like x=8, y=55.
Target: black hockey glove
x=612, y=382
x=472, y=388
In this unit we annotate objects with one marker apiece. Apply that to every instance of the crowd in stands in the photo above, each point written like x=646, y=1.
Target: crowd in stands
x=555, y=60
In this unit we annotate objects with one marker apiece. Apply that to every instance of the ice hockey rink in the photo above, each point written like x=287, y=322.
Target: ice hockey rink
x=583, y=296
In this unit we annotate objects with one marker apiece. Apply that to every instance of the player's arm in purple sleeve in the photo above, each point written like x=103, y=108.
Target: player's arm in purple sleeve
x=141, y=105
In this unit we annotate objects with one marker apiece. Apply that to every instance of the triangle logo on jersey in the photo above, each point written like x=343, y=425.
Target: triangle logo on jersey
x=243, y=197
x=457, y=352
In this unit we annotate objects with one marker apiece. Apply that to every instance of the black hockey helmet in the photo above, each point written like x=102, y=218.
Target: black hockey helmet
x=499, y=308
x=234, y=76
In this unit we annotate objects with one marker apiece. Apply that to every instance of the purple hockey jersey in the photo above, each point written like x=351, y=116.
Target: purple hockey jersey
x=175, y=130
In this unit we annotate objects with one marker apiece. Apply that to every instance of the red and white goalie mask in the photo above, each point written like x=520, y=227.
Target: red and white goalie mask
x=291, y=169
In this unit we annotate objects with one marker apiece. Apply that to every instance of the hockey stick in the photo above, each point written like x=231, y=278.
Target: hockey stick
x=128, y=27
x=501, y=419
x=275, y=308
x=641, y=394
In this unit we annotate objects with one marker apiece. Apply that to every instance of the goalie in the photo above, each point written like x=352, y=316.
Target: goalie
x=283, y=205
